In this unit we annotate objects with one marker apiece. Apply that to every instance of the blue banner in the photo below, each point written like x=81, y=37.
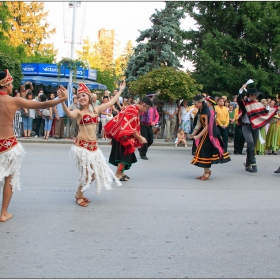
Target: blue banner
x=29, y=68
x=45, y=69
x=92, y=74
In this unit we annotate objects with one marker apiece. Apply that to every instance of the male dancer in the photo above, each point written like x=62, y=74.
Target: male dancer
x=147, y=121
x=12, y=152
x=124, y=129
x=252, y=115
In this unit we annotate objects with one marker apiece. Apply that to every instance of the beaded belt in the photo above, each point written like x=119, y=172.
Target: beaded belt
x=7, y=144
x=88, y=145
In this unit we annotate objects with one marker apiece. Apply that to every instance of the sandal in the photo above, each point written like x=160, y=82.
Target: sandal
x=81, y=202
x=84, y=198
x=205, y=177
x=125, y=176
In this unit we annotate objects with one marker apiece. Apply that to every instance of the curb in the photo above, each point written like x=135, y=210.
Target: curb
x=157, y=142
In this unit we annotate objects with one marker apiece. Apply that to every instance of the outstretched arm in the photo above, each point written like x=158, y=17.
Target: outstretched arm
x=31, y=104
x=99, y=109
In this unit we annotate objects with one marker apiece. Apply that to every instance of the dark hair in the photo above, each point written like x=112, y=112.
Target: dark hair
x=43, y=98
x=105, y=97
x=15, y=92
x=28, y=93
x=147, y=101
x=220, y=99
x=198, y=97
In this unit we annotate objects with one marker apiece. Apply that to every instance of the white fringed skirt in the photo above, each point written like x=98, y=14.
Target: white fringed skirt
x=10, y=162
x=93, y=163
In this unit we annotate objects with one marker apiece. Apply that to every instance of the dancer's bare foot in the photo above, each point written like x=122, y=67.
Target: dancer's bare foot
x=4, y=218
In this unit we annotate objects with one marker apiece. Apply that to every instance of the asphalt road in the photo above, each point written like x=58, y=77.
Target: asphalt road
x=161, y=224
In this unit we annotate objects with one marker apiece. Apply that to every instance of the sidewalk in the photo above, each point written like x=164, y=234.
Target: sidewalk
x=157, y=142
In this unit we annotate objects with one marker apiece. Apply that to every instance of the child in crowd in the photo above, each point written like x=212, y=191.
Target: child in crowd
x=181, y=138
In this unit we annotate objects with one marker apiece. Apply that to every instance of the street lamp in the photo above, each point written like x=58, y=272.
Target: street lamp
x=67, y=9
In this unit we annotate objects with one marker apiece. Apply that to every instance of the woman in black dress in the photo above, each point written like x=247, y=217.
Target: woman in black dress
x=207, y=139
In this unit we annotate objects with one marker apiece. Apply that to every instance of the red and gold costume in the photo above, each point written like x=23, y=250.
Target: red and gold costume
x=89, y=159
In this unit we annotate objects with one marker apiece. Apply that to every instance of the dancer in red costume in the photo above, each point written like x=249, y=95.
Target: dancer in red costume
x=12, y=152
x=124, y=129
x=89, y=158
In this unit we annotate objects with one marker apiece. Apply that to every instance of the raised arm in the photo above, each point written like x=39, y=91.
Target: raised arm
x=99, y=109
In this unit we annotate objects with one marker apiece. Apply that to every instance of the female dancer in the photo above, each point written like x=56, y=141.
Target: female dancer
x=208, y=141
x=89, y=158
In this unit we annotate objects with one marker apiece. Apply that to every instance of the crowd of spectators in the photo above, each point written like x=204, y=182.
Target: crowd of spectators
x=174, y=117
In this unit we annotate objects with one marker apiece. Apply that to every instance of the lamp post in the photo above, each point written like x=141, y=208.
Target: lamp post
x=71, y=5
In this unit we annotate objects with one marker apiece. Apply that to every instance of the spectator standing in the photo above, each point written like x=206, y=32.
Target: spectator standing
x=59, y=122
x=39, y=115
x=148, y=120
x=156, y=129
x=222, y=121
x=239, y=139
x=17, y=119
x=28, y=118
x=170, y=110
x=47, y=115
x=52, y=132
x=105, y=116
x=73, y=121
x=232, y=123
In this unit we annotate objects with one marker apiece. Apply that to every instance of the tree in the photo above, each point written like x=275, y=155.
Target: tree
x=14, y=68
x=161, y=45
x=26, y=27
x=121, y=61
x=168, y=81
x=234, y=41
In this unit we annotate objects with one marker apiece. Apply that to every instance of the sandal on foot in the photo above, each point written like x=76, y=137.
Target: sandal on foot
x=205, y=177
x=81, y=202
x=125, y=176
x=199, y=177
x=84, y=198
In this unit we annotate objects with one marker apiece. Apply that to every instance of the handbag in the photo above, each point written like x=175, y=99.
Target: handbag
x=46, y=113
x=23, y=114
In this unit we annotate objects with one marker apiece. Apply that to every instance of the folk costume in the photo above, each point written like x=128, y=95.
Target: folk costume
x=252, y=115
x=90, y=160
x=11, y=152
x=121, y=129
x=272, y=143
x=210, y=147
x=11, y=156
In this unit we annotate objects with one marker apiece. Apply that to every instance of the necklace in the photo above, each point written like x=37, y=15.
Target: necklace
x=3, y=93
x=85, y=127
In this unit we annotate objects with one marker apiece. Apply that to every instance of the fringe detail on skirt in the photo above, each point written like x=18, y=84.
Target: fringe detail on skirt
x=93, y=163
x=10, y=162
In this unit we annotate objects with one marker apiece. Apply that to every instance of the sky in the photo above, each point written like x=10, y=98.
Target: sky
x=126, y=18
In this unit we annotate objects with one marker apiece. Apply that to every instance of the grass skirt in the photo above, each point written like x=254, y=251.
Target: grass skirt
x=93, y=163
x=10, y=162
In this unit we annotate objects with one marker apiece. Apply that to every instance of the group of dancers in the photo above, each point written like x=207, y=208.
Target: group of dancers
x=125, y=131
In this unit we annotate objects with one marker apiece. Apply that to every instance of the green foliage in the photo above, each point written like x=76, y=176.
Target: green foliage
x=108, y=78
x=158, y=46
x=168, y=81
x=235, y=41
x=14, y=68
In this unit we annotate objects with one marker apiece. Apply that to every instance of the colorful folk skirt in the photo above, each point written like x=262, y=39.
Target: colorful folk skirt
x=206, y=154
x=91, y=163
x=11, y=156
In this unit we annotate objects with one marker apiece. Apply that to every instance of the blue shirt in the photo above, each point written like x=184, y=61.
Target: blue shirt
x=59, y=109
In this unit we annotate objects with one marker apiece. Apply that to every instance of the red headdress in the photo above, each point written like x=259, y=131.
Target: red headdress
x=7, y=80
x=83, y=89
